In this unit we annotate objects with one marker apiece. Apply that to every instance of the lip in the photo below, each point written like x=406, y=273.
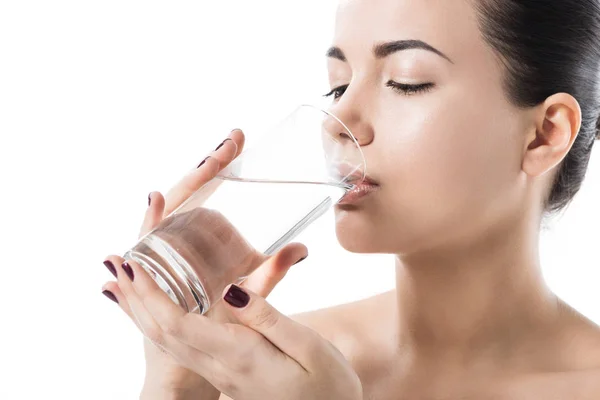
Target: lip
x=353, y=175
x=360, y=191
x=363, y=186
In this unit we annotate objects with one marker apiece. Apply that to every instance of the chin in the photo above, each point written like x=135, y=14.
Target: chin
x=355, y=233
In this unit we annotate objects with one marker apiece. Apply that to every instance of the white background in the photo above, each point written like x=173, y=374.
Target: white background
x=103, y=102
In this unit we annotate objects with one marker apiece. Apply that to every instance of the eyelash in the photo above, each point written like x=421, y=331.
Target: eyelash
x=401, y=88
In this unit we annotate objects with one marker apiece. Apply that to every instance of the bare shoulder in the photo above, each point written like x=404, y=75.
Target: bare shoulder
x=359, y=330
x=576, y=363
x=580, y=385
x=343, y=324
x=580, y=344
x=328, y=322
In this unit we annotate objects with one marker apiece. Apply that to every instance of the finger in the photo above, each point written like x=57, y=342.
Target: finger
x=194, y=330
x=225, y=152
x=190, y=183
x=292, y=338
x=128, y=292
x=154, y=213
x=240, y=140
x=218, y=160
x=188, y=356
x=119, y=298
x=264, y=279
x=115, y=294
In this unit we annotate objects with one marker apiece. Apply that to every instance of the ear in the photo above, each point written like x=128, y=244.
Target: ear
x=557, y=124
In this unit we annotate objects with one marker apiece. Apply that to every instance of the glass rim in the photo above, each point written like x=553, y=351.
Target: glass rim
x=362, y=155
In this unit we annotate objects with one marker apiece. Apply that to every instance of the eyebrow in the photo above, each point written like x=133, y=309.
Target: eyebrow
x=383, y=50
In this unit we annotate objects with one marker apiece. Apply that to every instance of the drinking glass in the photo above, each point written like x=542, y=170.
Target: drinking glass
x=252, y=208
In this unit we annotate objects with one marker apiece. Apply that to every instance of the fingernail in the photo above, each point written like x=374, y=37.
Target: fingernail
x=128, y=270
x=237, y=297
x=222, y=143
x=111, y=267
x=110, y=295
x=233, y=130
x=149, y=199
x=203, y=161
x=302, y=259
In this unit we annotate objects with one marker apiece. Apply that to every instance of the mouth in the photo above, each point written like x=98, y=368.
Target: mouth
x=354, y=176
x=357, y=179
x=358, y=192
x=361, y=186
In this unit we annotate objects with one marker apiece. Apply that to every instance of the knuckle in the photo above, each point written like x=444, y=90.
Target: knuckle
x=234, y=331
x=171, y=327
x=246, y=357
x=221, y=379
x=244, y=364
x=265, y=319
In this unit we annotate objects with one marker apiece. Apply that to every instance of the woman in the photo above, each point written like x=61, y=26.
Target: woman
x=477, y=119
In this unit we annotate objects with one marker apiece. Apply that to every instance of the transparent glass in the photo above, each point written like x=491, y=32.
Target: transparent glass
x=252, y=208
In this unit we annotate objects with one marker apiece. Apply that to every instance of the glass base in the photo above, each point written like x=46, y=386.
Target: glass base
x=171, y=272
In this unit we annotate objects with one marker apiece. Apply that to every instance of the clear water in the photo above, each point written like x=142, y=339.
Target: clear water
x=225, y=231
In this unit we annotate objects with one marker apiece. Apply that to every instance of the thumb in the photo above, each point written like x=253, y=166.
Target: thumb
x=263, y=280
x=253, y=311
x=154, y=212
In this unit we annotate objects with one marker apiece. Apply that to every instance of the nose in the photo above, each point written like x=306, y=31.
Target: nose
x=342, y=146
x=336, y=129
x=352, y=115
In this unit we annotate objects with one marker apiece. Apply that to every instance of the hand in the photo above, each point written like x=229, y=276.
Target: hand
x=265, y=355
x=162, y=372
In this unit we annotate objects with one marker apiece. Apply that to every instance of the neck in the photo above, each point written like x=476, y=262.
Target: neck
x=466, y=300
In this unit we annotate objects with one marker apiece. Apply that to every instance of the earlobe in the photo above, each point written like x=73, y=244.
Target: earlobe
x=556, y=127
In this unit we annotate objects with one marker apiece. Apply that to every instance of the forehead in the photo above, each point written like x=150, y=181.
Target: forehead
x=449, y=25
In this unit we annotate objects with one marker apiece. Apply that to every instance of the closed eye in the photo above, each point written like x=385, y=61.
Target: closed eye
x=402, y=88
x=408, y=90
x=337, y=92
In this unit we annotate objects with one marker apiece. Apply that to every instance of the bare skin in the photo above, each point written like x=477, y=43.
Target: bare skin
x=561, y=363
x=462, y=174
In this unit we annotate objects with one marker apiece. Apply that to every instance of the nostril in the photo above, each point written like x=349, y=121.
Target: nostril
x=346, y=135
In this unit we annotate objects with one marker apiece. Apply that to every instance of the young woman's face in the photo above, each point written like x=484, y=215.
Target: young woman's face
x=447, y=153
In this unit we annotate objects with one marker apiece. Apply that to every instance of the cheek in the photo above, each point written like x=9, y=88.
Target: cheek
x=450, y=166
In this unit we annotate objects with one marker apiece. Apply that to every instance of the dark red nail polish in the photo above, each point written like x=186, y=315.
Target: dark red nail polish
x=222, y=143
x=128, y=270
x=203, y=161
x=237, y=297
x=149, y=199
x=110, y=295
x=302, y=259
x=111, y=267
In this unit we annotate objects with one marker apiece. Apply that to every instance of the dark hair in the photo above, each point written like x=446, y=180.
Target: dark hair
x=548, y=47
